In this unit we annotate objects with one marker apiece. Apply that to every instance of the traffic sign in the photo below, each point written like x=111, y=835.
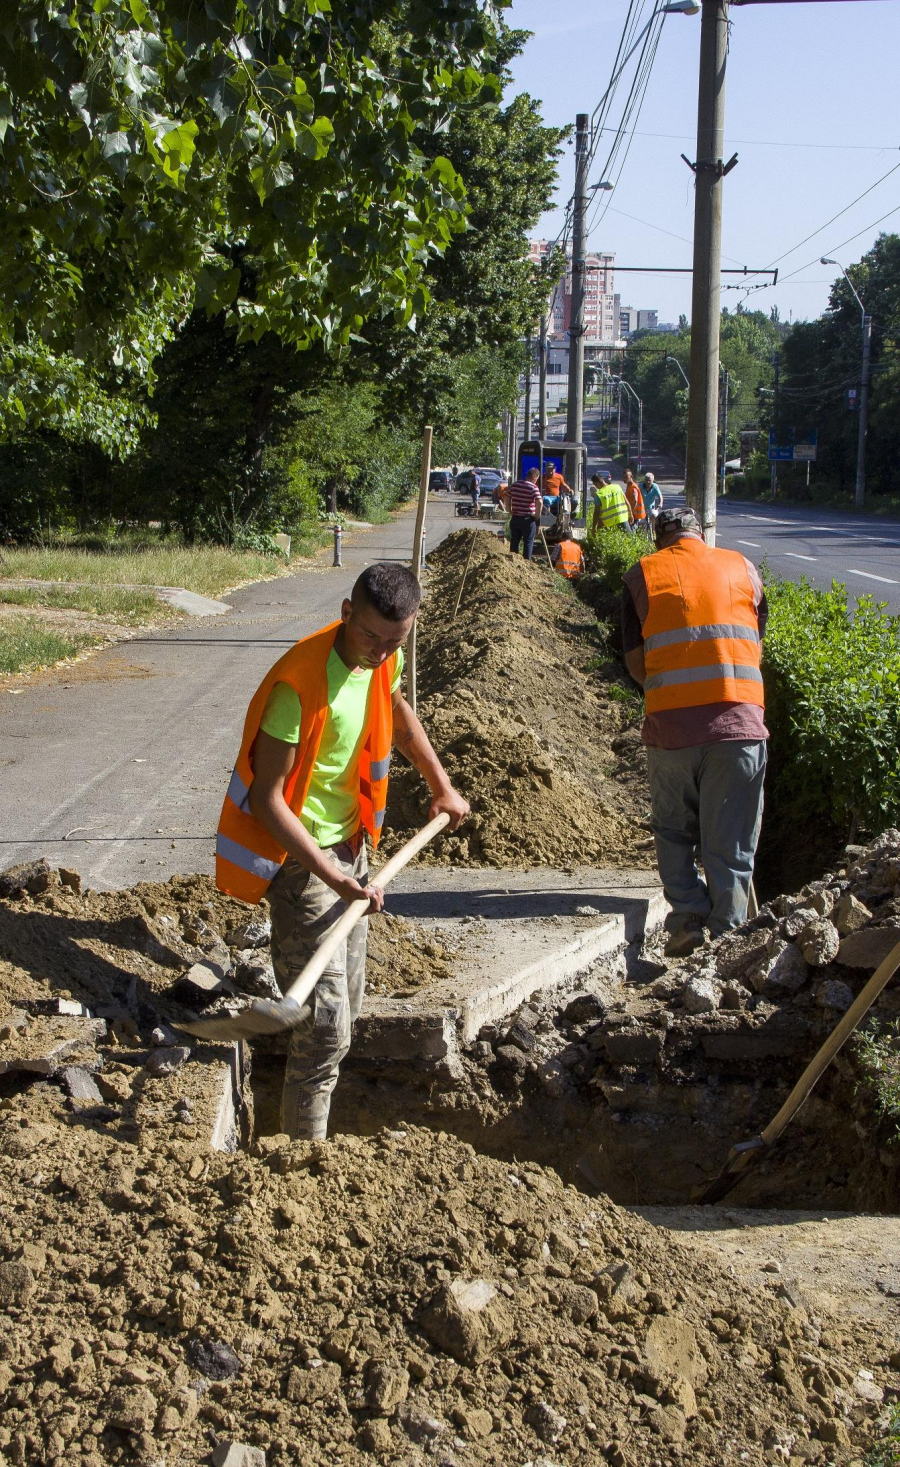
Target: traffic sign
x=797, y=446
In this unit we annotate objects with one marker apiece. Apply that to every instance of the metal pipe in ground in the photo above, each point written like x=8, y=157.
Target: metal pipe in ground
x=337, y=546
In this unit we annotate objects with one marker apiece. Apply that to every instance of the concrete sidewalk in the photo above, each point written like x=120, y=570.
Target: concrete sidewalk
x=117, y=766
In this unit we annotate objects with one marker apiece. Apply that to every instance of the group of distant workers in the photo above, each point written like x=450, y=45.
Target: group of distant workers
x=626, y=505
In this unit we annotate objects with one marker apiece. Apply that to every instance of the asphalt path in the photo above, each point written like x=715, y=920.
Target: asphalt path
x=116, y=766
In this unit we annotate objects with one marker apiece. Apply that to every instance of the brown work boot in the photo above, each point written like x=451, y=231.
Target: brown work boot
x=686, y=940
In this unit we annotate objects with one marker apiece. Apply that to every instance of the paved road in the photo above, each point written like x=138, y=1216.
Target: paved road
x=128, y=753
x=860, y=551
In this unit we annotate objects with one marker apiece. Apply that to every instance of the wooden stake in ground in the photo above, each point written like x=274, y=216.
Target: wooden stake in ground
x=417, y=560
x=464, y=574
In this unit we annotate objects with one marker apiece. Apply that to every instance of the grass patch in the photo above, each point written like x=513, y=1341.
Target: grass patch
x=878, y=1055
x=206, y=569
x=887, y=1452
x=27, y=645
x=110, y=602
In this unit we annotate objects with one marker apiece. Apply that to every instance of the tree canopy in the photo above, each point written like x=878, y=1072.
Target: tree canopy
x=147, y=151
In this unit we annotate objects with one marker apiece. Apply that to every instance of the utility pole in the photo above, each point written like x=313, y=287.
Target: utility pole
x=529, y=348
x=576, y=322
x=542, y=380
x=860, y=497
x=709, y=171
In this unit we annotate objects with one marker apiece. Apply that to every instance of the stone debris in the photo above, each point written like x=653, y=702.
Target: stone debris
x=238, y=1454
x=45, y=1045
x=81, y=1086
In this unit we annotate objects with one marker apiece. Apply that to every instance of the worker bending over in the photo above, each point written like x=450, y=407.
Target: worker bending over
x=611, y=509
x=309, y=788
x=693, y=620
x=567, y=556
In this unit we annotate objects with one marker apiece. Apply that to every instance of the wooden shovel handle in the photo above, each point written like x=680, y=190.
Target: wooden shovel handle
x=838, y=1036
x=306, y=981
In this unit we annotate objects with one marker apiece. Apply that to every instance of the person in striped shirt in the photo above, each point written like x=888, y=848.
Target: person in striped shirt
x=525, y=505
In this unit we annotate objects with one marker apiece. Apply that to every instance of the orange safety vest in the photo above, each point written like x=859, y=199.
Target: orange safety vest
x=247, y=857
x=570, y=560
x=701, y=633
x=636, y=501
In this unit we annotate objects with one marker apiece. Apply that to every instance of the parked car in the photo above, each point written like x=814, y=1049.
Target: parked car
x=440, y=480
x=490, y=478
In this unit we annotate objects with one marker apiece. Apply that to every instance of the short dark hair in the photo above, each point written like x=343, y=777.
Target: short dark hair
x=390, y=589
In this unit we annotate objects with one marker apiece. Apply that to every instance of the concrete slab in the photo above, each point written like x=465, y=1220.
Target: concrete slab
x=510, y=934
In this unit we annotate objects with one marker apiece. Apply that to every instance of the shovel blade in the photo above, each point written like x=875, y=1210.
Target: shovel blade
x=262, y=1017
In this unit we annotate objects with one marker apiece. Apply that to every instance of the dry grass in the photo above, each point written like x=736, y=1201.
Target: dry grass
x=208, y=569
x=127, y=608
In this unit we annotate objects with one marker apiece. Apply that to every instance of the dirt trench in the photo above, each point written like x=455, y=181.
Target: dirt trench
x=454, y=1279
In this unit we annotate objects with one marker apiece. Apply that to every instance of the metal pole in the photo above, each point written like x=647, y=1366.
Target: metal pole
x=863, y=413
x=776, y=362
x=529, y=347
x=724, y=426
x=700, y=489
x=640, y=460
x=618, y=416
x=576, y=322
x=337, y=546
x=542, y=380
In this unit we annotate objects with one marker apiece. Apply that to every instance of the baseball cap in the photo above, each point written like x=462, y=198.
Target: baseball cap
x=677, y=519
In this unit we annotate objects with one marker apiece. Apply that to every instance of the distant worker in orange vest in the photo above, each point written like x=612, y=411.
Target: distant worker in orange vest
x=567, y=556
x=635, y=499
x=309, y=786
x=693, y=620
x=552, y=487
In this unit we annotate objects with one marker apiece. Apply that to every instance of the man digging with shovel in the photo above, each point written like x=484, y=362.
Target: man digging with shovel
x=309, y=786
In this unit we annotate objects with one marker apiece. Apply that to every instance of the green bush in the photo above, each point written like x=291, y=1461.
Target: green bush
x=832, y=683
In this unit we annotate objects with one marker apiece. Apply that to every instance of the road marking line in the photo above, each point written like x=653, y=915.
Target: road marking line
x=792, y=555
x=886, y=580
x=752, y=543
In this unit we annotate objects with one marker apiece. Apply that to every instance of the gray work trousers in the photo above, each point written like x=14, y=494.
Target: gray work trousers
x=303, y=909
x=707, y=800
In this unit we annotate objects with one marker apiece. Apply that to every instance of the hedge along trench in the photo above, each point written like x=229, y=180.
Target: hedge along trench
x=832, y=680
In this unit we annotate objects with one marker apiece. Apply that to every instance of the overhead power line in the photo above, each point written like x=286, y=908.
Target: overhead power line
x=680, y=137
x=838, y=215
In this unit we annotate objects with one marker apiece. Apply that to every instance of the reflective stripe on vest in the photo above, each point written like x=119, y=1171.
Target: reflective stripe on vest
x=612, y=506
x=247, y=857
x=701, y=633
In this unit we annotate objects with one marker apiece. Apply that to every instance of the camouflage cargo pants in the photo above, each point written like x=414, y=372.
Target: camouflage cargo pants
x=303, y=908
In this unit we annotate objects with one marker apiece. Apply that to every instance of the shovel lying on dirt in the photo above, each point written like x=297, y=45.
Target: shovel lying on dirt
x=267, y=1017
x=746, y=1153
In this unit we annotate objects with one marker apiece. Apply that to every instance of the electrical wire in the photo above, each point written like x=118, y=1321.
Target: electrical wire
x=633, y=106
x=821, y=227
x=680, y=137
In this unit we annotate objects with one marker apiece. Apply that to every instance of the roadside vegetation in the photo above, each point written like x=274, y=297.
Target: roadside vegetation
x=206, y=569
x=832, y=678
x=878, y=1058
x=28, y=645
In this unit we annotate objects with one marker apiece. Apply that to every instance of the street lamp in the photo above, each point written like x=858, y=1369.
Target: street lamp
x=640, y=450
x=676, y=363
x=860, y=496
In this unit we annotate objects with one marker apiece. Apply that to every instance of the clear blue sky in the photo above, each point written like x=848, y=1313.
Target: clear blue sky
x=812, y=109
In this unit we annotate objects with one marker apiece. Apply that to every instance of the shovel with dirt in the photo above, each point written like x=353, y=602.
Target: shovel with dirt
x=267, y=1017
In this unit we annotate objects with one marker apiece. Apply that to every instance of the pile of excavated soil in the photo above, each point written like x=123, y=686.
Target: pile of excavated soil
x=124, y=949
x=544, y=747
x=398, y=1299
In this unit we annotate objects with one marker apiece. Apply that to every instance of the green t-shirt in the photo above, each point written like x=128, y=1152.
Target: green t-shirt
x=331, y=810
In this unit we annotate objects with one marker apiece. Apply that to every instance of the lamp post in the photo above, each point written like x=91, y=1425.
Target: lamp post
x=860, y=497
x=676, y=363
x=640, y=447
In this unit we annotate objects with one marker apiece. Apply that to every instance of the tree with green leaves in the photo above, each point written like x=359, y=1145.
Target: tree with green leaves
x=147, y=151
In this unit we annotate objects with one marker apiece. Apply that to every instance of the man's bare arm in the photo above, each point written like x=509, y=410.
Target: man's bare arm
x=634, y=661
x=412, y=740
x=273, y=760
